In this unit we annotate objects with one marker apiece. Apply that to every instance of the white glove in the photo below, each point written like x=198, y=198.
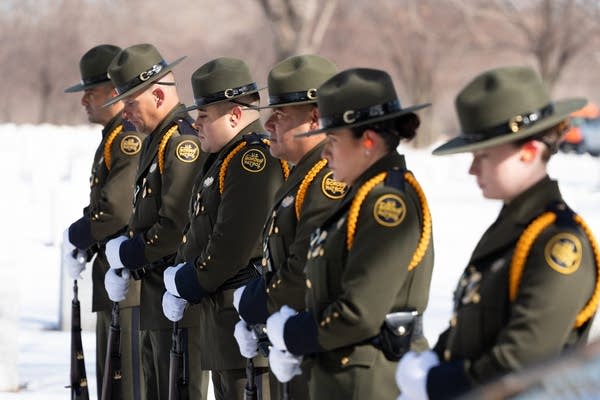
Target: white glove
x=237, y=297
x=173, y=307
x=112, y=252
x=411, y=374
x=169, y=279
x=246, y=339
x=276, y=323
x=284, y=365
x=73, y=265
x=116, y=286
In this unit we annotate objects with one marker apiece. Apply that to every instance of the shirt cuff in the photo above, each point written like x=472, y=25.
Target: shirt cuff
x=132, y=254
x=188, y=286
x=301, y=334
x=448, y=380
x=253, y=304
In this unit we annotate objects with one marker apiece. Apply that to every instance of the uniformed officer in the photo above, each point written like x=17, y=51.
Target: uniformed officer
x=111, y=184
x=301, y=203
x=229, y=205
x=531, y=288
x=170, y=160
x=369, y=264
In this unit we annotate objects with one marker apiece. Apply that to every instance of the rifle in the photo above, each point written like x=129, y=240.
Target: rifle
x=264, y=344
x=111, y=381
x=250, y=387
x=79, y=388
x=178, y=371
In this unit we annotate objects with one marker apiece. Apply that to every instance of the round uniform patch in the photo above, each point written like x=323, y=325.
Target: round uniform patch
x=332, y=188
x=254, y=160
x=389, y=210
x=131, y=145
x=187, y=151
x=563, y=253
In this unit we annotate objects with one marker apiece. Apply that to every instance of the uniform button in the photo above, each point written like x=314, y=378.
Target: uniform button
x=155, y=236
x=96, y=216
x=453, y=321
x=201, y=266
x=279, y=281
x=321, y=252
x=276, y=230
x=131, y=234
x=447, y=355
x=263, y=262
x=268, y=290
x=208, y=258
x=322, y=323
x=328, y=320
x=202, y=209
x=101, y=212
x=344, y=360
x=308, y=284
x=149, y=190
x=184, y=239
x=96, y=180
x=274, y=286
x=476, y=298
x=336, y=314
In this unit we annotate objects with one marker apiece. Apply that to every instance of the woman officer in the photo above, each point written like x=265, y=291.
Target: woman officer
x=372, y=258
x=531, y=287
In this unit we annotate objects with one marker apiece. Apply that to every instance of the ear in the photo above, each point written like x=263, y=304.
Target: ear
x=314, y=118
x=235, y=115
x=529, y=151
x=159, y=96
x=369, y=138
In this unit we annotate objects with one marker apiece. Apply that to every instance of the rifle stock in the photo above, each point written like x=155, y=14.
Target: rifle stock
x=111, y=381
x=79, y=388
x=178, y=380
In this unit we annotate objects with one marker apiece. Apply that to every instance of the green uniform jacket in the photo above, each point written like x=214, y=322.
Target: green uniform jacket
x=160, y=203
x=286, y=238
x=111, y=192
x=351, y=291
x=490, y=335
x=222, y=238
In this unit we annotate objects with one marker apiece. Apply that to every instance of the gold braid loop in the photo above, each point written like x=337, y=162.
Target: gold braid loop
x=284, y=166
x=162, y=147
x=357, y=203
x=426, y=233
x=592, y=305
x=522, y=251
x=523, y=248
x=225, y=164
x=310, y=176
x=108, y=144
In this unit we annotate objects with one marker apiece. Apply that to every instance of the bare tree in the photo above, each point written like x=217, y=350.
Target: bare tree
x=298, y=26
x=553, y=31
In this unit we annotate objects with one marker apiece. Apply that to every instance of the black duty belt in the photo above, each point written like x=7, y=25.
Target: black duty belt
x=243, y=276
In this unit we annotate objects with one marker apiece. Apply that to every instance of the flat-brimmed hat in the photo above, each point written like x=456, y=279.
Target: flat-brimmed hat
x=504, y=105
x=94, y=67
x=356, y=97
x=219, y=80
x=295, y=80
x=135, y=68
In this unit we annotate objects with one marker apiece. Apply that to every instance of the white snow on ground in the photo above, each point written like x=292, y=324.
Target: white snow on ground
x=45, y=171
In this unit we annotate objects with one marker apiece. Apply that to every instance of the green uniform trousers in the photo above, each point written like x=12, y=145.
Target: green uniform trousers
x=297, y=387
x=156, y=346
x=130, y=351
x=357, y=382
x=229, y=384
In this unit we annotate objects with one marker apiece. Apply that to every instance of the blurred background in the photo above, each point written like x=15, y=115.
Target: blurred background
x=431, y=47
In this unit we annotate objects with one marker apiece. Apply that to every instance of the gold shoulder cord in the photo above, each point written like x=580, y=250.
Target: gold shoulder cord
x=360, y=198
x=310, y=176
x=523, y=248
x=107, y=145
x=223, y=170
x=162, y=147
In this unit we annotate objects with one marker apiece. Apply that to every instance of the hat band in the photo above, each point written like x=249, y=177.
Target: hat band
x=293, y=97
x=350, y=117
x=142, y=77
x=95, y=79
x=513, y=125
x=225, y=94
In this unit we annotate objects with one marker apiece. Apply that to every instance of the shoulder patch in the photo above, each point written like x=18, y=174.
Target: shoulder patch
x=187, y=151
x=131, y=145
x=563, y=253
x=254, y=160
x=332, y=188
x=389, y=210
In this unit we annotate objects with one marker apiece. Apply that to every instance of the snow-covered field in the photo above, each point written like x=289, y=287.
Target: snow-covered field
x=45, y=185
